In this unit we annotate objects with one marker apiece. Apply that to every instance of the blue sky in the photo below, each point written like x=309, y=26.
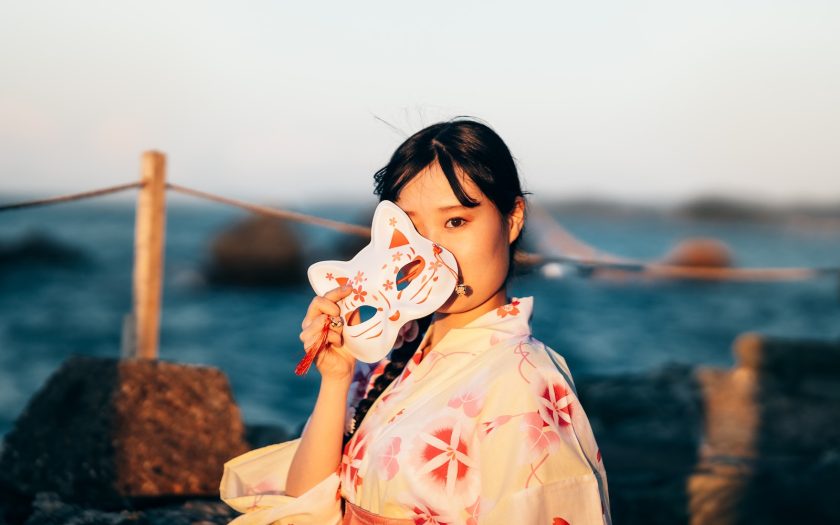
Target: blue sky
x=644, y=101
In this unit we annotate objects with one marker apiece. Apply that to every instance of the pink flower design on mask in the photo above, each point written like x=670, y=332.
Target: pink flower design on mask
x=359, y=294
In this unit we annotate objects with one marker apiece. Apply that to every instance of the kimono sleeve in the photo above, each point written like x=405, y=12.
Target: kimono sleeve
x=254, y=483
x=539, y=459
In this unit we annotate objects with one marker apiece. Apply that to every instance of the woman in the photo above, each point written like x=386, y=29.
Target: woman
x=475, y=422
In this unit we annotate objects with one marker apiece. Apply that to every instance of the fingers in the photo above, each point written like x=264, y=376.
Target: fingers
x=335, y=339
x=325, y=304
x=312, y=333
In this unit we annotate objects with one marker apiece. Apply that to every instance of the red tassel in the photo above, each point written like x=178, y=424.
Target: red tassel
x=311, y=352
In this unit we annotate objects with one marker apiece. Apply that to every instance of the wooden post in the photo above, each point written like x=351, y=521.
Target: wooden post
x=148, y=254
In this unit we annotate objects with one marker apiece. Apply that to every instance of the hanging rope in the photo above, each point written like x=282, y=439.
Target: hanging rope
x=583, y=256
x=274, y=212
x=71, y=197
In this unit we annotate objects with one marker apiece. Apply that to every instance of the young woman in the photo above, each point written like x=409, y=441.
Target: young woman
x=471, y=420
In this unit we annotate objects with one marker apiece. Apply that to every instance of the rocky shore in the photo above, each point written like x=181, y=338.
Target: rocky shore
x=755, y=443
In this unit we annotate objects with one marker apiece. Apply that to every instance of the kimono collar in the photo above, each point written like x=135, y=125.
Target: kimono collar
x=510, y=320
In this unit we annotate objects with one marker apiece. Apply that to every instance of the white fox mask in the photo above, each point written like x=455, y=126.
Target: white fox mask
x=398, y=277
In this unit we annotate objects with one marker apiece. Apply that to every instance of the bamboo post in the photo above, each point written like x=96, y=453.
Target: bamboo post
x=148, y=255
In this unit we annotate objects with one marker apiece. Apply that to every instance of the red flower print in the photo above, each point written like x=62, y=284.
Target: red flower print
x=330, y=276
x=388, y=465
x=445, y=456
x=396, y=257
x=423, y=515
x=392, y=221
x=388, y=284
x=434, y=265
x=359, y=294
x=555, y=405
x=360, y=276
x=351, y=460
x=411, y=365
x=508, y=309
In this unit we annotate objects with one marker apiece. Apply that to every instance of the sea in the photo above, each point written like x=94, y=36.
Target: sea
x=50, y=311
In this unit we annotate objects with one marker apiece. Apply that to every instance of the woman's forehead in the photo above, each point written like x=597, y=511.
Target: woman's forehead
x=429, y=190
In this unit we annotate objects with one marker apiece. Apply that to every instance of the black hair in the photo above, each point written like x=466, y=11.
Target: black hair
x=479, y=153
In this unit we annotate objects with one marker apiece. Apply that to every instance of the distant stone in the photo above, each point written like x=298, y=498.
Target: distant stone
x=771, y=447
x=700, y=252
x=38, y=248
x=255, y=252
x=49, y=509
x=109, y=433
x=648, y=427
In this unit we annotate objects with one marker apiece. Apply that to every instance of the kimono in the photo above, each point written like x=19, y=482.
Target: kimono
x=485, y=429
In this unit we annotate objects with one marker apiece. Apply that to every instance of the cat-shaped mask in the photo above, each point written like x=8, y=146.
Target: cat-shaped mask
x=399, y=276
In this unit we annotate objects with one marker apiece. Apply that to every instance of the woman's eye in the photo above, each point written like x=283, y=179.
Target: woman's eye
x=457, y=220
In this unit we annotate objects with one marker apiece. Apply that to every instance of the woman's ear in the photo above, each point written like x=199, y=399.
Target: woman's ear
x=516, y=219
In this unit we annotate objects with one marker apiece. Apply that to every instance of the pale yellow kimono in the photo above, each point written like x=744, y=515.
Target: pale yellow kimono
x=486, y=429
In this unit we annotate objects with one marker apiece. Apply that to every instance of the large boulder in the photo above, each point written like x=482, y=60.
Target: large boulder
x=771, y=448
x=113, y=433
x=255, y=252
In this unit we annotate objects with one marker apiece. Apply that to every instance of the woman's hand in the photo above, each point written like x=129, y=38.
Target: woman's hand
x=334, y=363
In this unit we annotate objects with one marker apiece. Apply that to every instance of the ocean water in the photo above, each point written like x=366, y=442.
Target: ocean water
x=49, y=312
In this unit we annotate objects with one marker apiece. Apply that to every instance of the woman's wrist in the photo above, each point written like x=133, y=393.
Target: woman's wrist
x=336, y=384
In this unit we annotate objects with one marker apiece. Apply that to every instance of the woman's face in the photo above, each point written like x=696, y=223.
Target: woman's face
x=478, y=237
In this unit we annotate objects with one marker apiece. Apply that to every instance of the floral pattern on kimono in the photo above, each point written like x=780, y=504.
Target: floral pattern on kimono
x=486, y=429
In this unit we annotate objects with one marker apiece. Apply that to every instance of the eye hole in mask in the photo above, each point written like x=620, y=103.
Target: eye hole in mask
x=381, y=274
x=360, y=315
x=409, y=272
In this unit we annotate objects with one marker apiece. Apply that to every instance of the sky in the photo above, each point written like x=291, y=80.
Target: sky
x=281, y=102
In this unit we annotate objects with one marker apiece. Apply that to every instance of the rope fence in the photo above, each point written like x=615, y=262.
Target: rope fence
x=140, y=334
x=585, y=264
x=72, y=197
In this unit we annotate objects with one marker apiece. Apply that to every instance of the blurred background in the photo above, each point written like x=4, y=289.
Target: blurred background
x=639, y=127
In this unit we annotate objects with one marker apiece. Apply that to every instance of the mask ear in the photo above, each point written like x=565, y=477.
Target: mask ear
x=326, y=275
x=391, y=227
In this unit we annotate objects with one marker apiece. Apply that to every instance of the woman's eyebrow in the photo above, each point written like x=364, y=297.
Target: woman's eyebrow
x=443, y=209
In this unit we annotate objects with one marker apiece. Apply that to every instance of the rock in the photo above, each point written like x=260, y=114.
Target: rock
x=648, y=427
x=771, y=443
x=38, y=248
x=49, y=509
x=257, y=251
x=107, y=433
x=700, y=252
